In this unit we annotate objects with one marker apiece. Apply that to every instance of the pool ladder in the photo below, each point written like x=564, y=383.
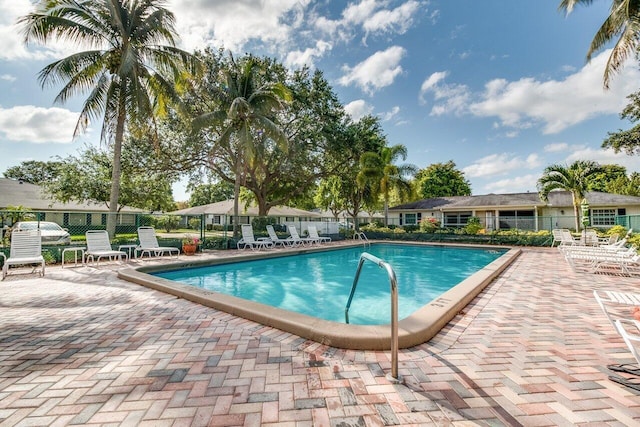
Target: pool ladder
x=359, y=235
x=394, y=307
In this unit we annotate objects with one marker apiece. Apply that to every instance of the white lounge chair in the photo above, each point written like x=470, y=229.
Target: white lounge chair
x=99, y=246
x=26, y=248
x=604, y=298
x=557, y=236
x=296, y=239
x=629, y=330
x=313, y=234
x=248, y=239
x=275, y=239
x=596, y=258
x=149, y=244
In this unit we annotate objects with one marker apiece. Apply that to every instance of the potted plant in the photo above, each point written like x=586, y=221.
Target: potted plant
x=189, y=245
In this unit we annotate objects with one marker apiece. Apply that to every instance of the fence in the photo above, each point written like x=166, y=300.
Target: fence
x=216, y=231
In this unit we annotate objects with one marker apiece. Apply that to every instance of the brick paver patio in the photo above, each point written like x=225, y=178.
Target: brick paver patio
x=81, y=347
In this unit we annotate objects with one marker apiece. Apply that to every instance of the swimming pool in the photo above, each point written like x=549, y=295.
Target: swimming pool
x=417, y=328
x=318, y=284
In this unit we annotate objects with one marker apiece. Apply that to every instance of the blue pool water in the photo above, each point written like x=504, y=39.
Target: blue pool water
x=318, y=284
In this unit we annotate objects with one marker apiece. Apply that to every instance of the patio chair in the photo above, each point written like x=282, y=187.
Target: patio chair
x=557, y=236
x=99, y=246
x=26, y=248
x=313, y=234
x=631, y=339
x=149, y=244
x=604, y=298
x=248, y=239
x=275, y=239
x=297, y=240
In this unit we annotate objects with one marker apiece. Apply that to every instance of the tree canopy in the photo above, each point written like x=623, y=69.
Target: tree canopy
x=573, y=178
x=441, y=180
x=127, y=71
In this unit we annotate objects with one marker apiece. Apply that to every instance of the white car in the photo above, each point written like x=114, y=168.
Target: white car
x=51, y=233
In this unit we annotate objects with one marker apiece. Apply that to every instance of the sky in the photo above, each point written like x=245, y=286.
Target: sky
x=500, y=87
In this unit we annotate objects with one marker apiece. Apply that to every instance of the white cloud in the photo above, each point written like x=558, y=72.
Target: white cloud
x=499, y=164
x=516, y=184
x=232, y=23
x=8, y=77
x=377, y=71
x=449, y=98
x=301, y=58
x=358, y=109
x=554, y=104
x=11, y=45
x=556, y=147
x=604, y=157
x=372, y=16
x=390, y=114
x=27, y=123
x=397, y=20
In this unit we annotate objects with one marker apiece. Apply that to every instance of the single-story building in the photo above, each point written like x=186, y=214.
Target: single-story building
x=15, y=193
x=221, y=213
x=525, y=211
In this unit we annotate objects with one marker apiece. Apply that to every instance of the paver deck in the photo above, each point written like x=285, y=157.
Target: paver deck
x=81, y=347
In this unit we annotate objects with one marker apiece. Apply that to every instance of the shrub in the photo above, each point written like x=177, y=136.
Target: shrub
x=194, y=223
x=429, y=225
x=473, y=225
x=410, y=228
x=168, y=222
x=617, y=229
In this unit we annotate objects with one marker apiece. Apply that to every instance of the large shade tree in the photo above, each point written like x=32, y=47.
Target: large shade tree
x=442, y=180
x=573, y=178
x=246, y=115
x=129, y=70
x=622, y=25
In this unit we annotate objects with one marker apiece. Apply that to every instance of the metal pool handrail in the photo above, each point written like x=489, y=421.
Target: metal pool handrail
x=394, y=306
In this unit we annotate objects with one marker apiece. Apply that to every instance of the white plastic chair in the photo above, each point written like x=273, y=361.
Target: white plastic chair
x=26, y=248
x=313, y=234
x=149, y=244
x=275, y=239
x=297, y=240
x=248, y=239
x=99, y=246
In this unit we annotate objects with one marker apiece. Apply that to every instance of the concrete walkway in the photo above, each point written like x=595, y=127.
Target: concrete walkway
x=82, y=347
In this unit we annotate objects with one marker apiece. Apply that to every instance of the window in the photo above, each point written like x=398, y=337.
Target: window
x=456, y=219
x=410, y=219
x=603, y=217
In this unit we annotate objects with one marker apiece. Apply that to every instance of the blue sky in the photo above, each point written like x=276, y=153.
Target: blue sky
x=499, y=87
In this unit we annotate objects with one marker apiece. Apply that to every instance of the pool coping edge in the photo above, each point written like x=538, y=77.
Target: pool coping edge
x=415, y=329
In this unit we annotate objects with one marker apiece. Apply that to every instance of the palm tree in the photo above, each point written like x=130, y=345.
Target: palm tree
x=381, y=171
x=573, y=178
x=623, y=22
x=128, y=73
x=246, y=113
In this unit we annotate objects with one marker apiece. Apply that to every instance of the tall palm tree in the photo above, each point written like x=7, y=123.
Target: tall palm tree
x=247, y=115
x=128, y=73
x=622, y=23
x=573, y=178
x=380, y=170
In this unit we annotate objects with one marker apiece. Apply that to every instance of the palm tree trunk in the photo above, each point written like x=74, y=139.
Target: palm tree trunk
x=576, y=214
x=386, y=213
x=236, y=200
x=115, y=173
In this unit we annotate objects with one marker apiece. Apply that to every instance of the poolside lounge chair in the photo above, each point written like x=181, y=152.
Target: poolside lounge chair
x=313, y=234
x=631, y=339
x=604, y=298
x=248, y=239
x=557, y=236
x=26, y=248
x=149, y=244
x=594, y=259
x=99, y=246
x=275, y=239
x=297, y=240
